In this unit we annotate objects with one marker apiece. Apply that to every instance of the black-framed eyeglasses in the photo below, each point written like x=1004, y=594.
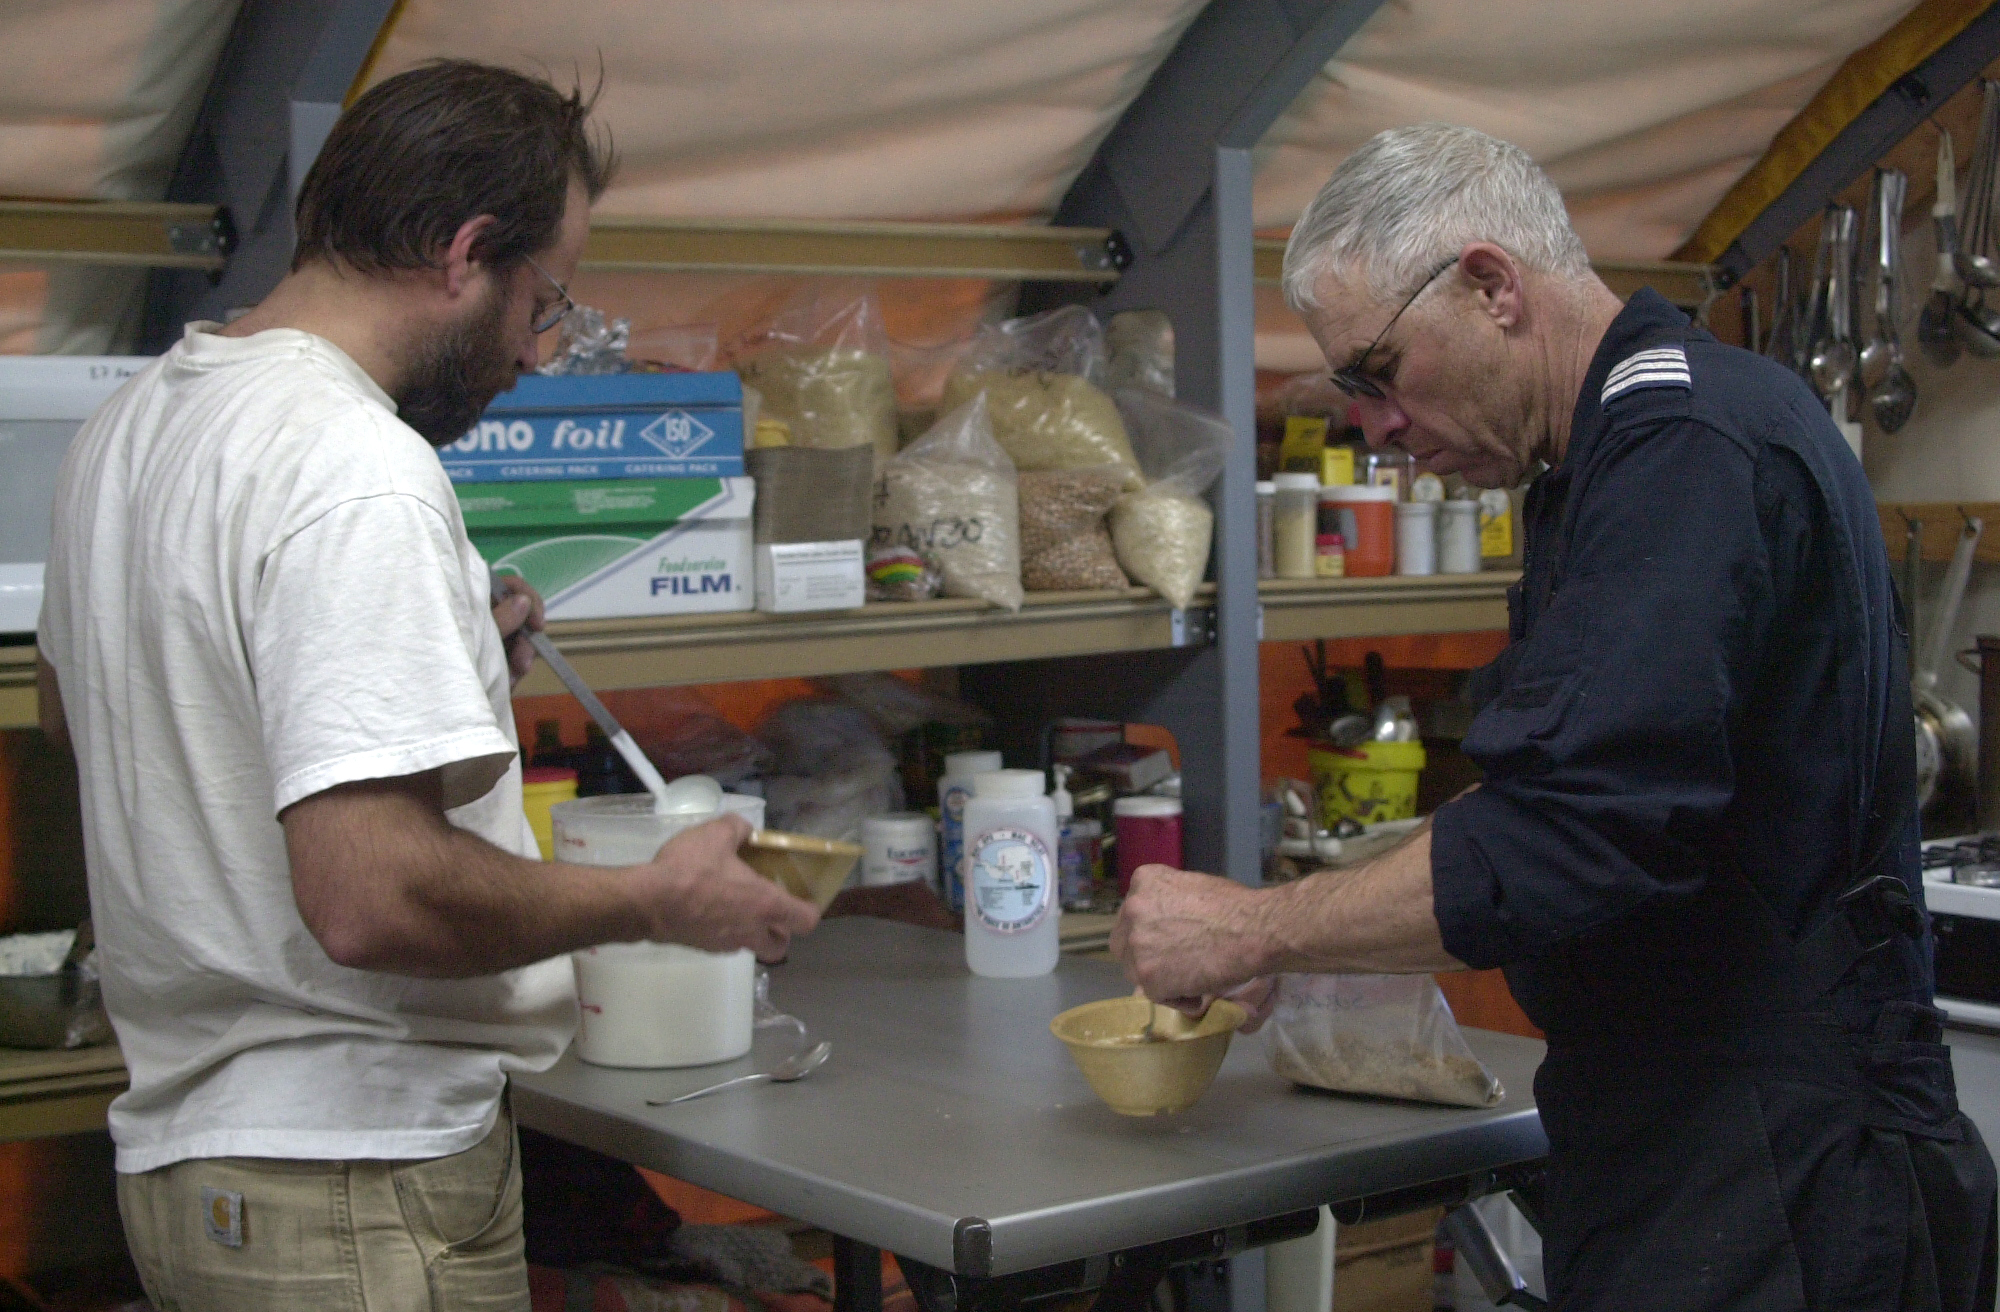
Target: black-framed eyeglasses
x=1349, y=378
x=555, y=314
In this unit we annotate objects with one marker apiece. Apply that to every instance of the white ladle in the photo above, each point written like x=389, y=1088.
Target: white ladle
x=687, y=796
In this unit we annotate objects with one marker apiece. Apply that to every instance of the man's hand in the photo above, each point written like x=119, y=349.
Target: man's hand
x=519, y=613
x=1182, y=936
x=702, y=894
x=1258, y=998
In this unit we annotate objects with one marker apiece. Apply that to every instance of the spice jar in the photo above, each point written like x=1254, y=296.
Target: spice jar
x=1458, y=538
x=1332, y=557
x=1416, y=537
x=1267, y=529
x=1297, y=524
x=1387, y=467
x=1368, y=527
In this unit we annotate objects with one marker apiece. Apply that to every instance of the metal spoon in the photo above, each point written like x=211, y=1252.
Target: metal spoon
x=1975, y=267
x=1896, y=396
x=1874, y=359
x=795, y=1067
x=1833, y=354
x=1934, y=335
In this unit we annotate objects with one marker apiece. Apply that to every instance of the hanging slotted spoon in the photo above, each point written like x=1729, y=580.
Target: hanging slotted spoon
x=1896, y=396
x=1934, y=334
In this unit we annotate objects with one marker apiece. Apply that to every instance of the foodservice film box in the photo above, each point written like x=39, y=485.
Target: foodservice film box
x=608, y=549
x=614, y=495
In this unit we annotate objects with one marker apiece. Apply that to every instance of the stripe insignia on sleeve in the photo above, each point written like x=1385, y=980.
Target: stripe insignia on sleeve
x=1663, y=366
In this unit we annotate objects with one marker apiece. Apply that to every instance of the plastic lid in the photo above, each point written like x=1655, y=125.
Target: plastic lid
x=1151, y=808
x=964, y=763
x=1416, y=509
x=898, y=824
x=1265, y=487
x=1295, y=483
x=1357, y=492
x=1381, y=755
x=1009, y=783
x=547, y=774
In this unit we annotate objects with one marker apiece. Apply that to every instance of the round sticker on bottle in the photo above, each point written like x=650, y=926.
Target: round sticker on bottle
x=1010, y=887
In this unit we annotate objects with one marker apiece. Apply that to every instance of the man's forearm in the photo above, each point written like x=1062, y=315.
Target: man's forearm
x=1184, y=935
x=1379, y=917
x=438, y=901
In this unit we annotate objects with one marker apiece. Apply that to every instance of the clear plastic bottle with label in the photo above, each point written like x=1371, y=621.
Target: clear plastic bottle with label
x=954, y=788
x=1012, y=917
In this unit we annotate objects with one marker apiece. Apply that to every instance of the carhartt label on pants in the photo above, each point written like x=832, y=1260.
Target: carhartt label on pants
x=222, y=1215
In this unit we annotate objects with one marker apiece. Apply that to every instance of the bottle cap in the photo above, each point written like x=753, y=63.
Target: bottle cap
x=1295, y=483
x=960, y=764
x=1151, y=808
x=1009, y=783
x=1265, y=487
x=1357, y=492
x=1416, y=509
x=897, y=827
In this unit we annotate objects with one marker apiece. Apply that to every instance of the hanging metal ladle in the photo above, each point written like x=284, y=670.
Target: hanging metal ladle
x=1896, y=396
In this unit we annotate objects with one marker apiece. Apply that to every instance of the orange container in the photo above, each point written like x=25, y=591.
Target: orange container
x=1368, y=523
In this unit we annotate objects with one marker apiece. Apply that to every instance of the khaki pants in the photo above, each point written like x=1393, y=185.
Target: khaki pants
x=357, y=1236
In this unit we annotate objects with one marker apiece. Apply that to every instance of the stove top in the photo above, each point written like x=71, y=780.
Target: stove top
x=1962, y=876
x=1962, y=890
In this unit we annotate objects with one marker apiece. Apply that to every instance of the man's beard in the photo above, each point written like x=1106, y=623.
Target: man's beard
x=456, y=374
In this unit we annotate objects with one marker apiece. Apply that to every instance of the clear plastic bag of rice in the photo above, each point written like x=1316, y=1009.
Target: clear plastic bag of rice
x=1043, y=381
x=1163, y=531
x=1065, y=545
x=823, y=368
x=950, y=496
x=1392, y=1036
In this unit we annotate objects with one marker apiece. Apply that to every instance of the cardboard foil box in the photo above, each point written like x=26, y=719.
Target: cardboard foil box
x=609, y=549
x=573, y=427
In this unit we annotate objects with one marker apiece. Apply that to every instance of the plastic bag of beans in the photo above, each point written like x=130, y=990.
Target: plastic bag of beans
x=1162, y=532
x=1043, y=377
x=951, y=496
x=1065, y=546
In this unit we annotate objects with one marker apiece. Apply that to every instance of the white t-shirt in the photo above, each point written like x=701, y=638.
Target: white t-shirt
x=259, y=587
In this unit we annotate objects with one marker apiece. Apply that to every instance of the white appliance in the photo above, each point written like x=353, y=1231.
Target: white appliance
x=44, y=399
x=1962, y=891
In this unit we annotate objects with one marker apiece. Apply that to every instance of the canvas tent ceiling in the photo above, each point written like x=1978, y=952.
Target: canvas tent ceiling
x=961, y=109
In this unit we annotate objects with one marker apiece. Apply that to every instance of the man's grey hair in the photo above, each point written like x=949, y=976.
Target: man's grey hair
x=1412, y=198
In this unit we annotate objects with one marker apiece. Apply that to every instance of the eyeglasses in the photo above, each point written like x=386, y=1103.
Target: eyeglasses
x=555, y=314
x=1349, y=378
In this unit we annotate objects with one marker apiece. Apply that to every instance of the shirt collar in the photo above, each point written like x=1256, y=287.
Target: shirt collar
x=1647, y=320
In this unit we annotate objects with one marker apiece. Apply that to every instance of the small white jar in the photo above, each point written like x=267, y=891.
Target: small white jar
x=1416, y=537
x=898, y=849
x=1458, y=538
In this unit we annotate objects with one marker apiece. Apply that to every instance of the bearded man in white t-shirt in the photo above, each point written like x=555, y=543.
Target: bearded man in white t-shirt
x=324, y=935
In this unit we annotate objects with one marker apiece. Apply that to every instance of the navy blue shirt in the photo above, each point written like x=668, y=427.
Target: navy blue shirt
x=1681, y=742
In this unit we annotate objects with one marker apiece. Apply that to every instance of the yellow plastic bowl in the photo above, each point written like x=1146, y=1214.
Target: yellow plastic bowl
x=807, y=867
x=1145, y=1079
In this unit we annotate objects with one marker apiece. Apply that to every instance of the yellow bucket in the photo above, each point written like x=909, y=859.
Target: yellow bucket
x=1370, y=783
x=541, y=788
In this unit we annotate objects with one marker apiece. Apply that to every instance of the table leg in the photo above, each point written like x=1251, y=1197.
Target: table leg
x=857, y=1276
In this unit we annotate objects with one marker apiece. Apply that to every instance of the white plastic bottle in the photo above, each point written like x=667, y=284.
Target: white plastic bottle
x=1012, y=918
x=953, y=790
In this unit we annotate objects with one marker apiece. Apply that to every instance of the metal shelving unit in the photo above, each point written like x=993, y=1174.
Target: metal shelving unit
x=690, y=649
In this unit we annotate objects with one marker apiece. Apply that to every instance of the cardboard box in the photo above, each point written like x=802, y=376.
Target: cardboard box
x=801, y=576
x=604, y=426
x=1385, y=1266
x=610, y=549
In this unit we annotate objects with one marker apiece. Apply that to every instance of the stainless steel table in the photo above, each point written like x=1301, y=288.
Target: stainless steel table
x=951, y=1128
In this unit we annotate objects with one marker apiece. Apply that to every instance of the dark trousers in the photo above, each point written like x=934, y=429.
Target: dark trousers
x=1793, y=1167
